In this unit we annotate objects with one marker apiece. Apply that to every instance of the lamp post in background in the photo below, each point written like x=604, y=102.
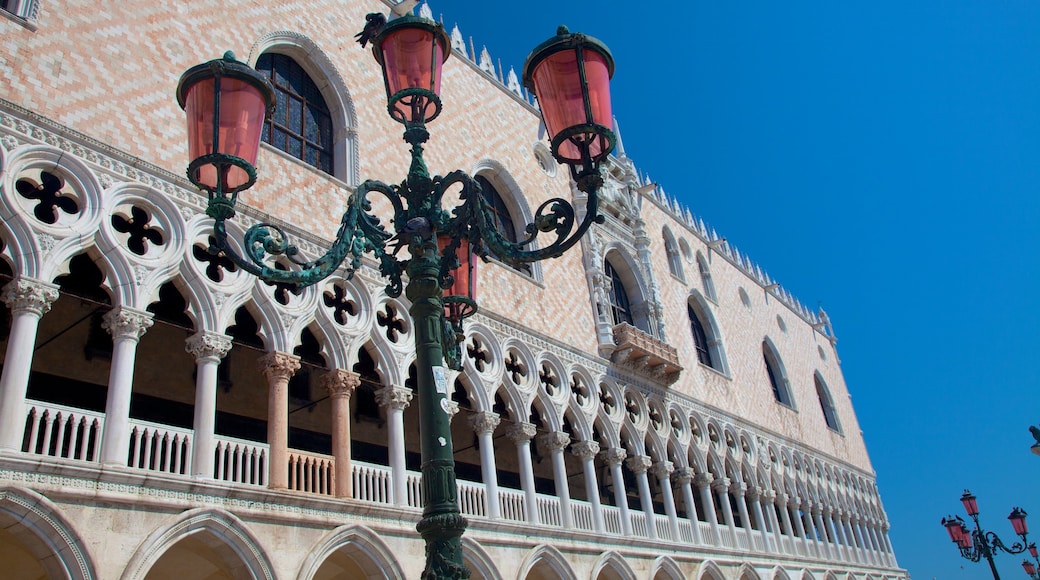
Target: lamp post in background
x=226, y=103
x=1031, y=567
x=978, y=543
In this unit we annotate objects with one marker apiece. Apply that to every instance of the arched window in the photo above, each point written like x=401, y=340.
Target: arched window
x=830, y=414
x=705, y=271
x=700, y=338
x=620, y=307
x=777, y=375
x=301, y=125
x=674, y=257
x=503, y=217
x=25, y=9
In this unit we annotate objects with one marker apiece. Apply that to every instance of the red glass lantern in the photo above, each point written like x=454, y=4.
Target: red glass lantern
x=570, y=75
x=1032, y=550
x=965, y=539
x=464, y=284
x=970, y=505
x=953, y=527
x=1028, y=567
x=411, y=51
x=226, y=103
x=1018, y=521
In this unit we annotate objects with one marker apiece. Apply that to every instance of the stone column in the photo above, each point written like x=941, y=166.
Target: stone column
x=340, y=384
x=755, y=497
x=396, y=399
x=796, y=519
x=685, y=475
x=817, y=511
x=639, y=464
x=769, y=506
x=850, y=532
x=521, y=434
x=613, y=457
x=703, y=482
x=839, y=530
x=126, y=326
x=28, y=300
x=721, y=488
x=207, y=348
x=740, y=490
x=785, y=514
x=278, y=368
x=586, y=451
x=557, y=442
x=662, y=470
x=484, y=425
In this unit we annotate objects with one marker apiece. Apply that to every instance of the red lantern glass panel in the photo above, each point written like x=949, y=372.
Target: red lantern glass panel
x=412, y=58
x=465, y=276
x=970, y=505
x=242, y=108
x=1018, y=521
x=558, y=85
x=1028, y=567
x=954, y=529
x=965, y=539
x=1032, y=550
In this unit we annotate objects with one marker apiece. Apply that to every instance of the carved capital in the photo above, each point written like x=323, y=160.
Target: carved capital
x=721, y=484
x=208, y=345
x=703, y=480
x=484, y=423
x=663, y=469
x=614, y=456
x=340, y=383
x=453, y=409
x=817, y=509
x=394, y=397
x=29, y=295
x=685, y=474
x=126, y=323
x=585, y=449
x=639, y=463
x=555, y=441
x=522, y=432
x=278, y=366
x=769, y=495
x=738, y=489
x=754, y=493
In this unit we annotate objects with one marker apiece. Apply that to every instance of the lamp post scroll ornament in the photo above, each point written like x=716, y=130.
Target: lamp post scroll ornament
x=227, y=102
x=977, y=544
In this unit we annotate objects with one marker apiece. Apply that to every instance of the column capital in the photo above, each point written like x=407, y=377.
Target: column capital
x=394, y=397
x=739, y=488
x=452, y=409
x=555, y=441
x=29, y=295
x=127, y=323
x=663, y=469
x=685, y=474
x=614, y=455
x=794, y=501
x=781, y=498
x=639, y=463
x=703, y=479
x=278, y=365
x=522, y=431
x=340, y=383
x=585, y=449
x=484, y=422
x=754, y=493
x=207, y=345
x=816, y=509
x=825, y=510
x=769, y=495
x=721, y=484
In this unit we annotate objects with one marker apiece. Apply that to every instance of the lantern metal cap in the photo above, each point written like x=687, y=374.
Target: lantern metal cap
x=226, y=66
x=412, y=21
x=564, y=40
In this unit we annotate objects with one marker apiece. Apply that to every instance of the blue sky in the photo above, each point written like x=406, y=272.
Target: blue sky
x=881, y=158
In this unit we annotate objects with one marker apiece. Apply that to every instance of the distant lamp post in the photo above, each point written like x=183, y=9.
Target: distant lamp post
x=1031, y=567
x=226, y=103
x=978, y=543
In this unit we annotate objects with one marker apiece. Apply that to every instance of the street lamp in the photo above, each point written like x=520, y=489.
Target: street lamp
x=978, y=543
x=226, y=103
x=1031, y=567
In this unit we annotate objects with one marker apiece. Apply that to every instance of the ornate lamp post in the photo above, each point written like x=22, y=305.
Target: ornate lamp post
x=1031, y=567
x=978, y=543
x=226, y=103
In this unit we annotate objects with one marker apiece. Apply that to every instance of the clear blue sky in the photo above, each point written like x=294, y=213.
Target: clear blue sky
x=881, y=158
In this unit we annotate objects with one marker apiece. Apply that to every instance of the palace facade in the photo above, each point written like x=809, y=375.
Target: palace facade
x=650, y=405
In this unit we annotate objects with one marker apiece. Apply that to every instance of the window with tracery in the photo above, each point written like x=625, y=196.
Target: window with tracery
x=830, y=414
x=620, y=306
x=503, y=217
x=777, y=377
x=301, y=125
x=700, y=338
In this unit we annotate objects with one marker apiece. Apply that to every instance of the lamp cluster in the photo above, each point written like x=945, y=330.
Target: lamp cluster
x=977, y=544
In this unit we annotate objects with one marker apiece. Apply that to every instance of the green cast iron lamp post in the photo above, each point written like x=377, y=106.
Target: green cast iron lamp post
x=226, y=104
x=977, y=544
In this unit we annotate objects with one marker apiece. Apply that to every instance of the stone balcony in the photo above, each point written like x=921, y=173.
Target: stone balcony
x=641, y=353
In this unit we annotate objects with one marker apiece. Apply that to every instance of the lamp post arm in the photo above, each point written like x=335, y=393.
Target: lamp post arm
x=997, y=544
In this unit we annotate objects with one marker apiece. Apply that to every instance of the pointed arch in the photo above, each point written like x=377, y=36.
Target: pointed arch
x=44, y=531
x=478, y=560
x=544, y=557
x=225, y=529
x=375, y=559
x=629, y=298
x=830, y=413
x=665, y=568
x=671, y=250
x=705, y=333
x=748, y=572
x=709, y=570
x=777, y=374
x=612, y=566
x=509, y=205
x=706, y=281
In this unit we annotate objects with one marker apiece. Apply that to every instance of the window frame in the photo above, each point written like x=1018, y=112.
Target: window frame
x=830, y=412
x=311, y=106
